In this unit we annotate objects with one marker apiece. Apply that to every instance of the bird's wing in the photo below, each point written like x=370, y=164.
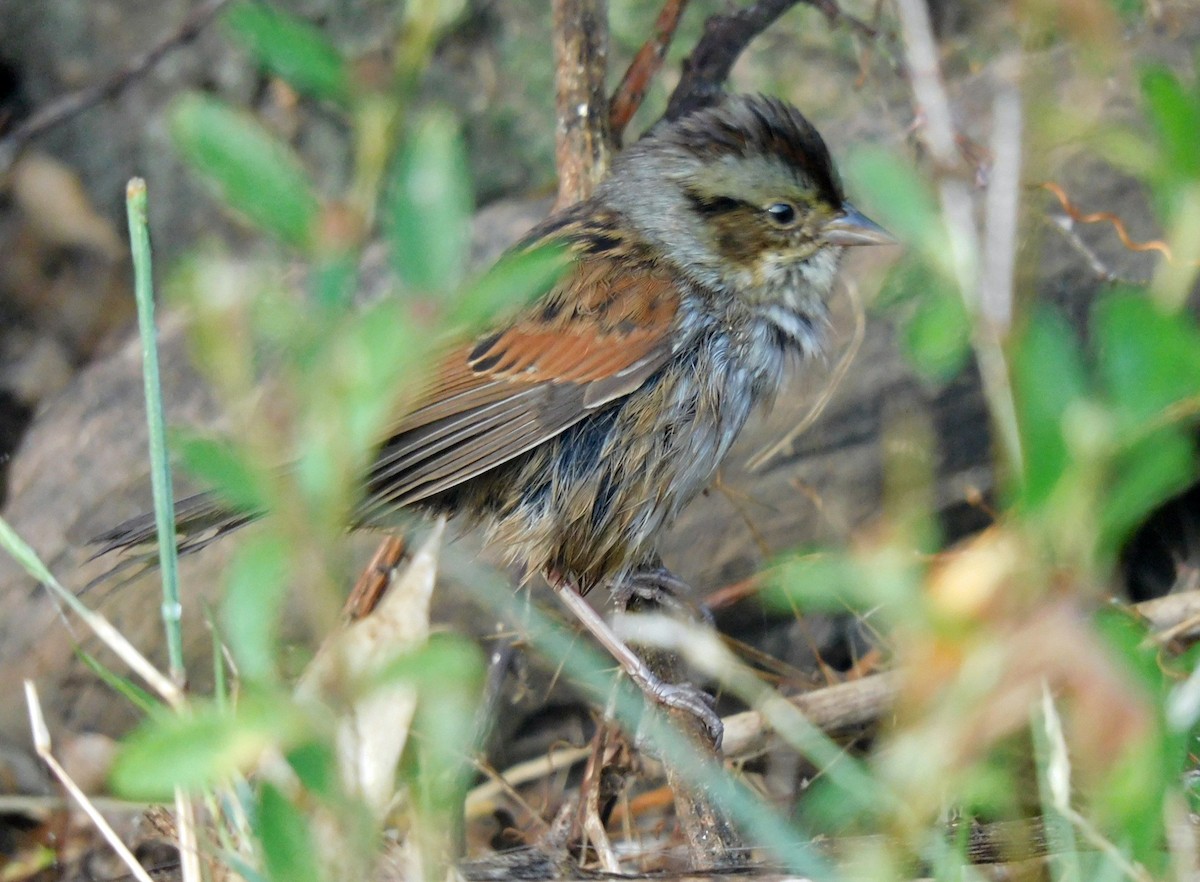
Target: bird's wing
x=597, y=337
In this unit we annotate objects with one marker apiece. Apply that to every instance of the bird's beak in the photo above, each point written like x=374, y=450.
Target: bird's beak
x=852, y=227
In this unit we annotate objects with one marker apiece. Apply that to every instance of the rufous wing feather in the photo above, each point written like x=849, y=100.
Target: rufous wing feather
x=602, y=333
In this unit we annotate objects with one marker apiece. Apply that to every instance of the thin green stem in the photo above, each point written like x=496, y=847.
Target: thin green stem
x=160, y=470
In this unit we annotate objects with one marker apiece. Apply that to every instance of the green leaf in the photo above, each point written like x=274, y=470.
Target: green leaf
x=255, y=589
x=1175, y=116
x=1132, y=789
x=1130, y=11
x=1149, y=359
x=450, y=670
x=287, y=842
x=220, y=465
x=201, y=749
x=432, y=15
x=379, y=349
x=255, y=173
x=1144, y=476
x=333, y=281
x=1048, y=376
x=518, y=278
x=316, y=766
x=444, y=662
x=937, y=339
x=818, y=581
x=291, y=48
x=1128, y=637
x=900, y=199
x=429, y=206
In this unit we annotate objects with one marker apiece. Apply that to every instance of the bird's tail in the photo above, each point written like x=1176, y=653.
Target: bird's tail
x=199, y=520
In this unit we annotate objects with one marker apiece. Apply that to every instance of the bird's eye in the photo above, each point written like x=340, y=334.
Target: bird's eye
x=782, y=213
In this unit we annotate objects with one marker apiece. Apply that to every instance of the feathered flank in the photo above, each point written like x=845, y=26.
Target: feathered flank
x=577, y=430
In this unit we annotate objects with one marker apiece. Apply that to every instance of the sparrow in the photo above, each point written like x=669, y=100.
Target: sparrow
x=574, y=432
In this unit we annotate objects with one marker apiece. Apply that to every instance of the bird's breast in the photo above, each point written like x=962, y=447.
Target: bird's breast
x=595, y=499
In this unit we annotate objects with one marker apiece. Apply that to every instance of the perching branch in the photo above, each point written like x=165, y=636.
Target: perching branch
x=582, y=144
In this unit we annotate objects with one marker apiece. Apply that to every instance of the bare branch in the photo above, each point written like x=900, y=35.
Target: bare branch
x=76, y=102
x=726, y=37
x=645, y=66
x=580, y=64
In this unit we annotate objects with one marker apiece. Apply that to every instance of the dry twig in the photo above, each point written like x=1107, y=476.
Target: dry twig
x=580, y=65
x=964, y=239
x=725, y=38
x=73, y=103
x=41, y=743
x=645, y=66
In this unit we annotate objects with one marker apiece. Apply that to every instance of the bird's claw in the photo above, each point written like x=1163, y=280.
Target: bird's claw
x=660, y=587
x=692, y=700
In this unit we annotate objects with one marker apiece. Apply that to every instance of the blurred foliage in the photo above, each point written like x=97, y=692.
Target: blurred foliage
x=1017, y=697
x=340, y=366
x=1011, y=677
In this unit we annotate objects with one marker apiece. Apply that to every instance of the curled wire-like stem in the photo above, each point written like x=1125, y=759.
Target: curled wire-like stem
x=1093, y=217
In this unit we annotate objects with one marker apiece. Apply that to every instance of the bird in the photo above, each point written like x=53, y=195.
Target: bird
x=575, y=431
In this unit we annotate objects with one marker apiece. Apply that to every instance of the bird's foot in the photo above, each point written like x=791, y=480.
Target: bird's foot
x=691, y=700
x=680, y=696
x=659, y=586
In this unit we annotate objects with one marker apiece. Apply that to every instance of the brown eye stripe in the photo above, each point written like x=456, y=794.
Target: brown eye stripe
x=711, y=206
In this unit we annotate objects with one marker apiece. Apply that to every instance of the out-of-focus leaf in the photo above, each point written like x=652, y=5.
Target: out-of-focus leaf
x=1048, y=375
x=1149, y=359
x=1127, y=637
x=937, y=338
x=432, y=15
x=514, y=280
x=202, y=748
x=900, y=199
x=291, y=48
x=351, y=392
x=817, y=581
x=423, y=21
x=443, y=659
x=1144, y=476
x=256, y=585
x=452, y=671
x=334, y=280
x=289, y=849
x=1131, y=793
x=429, y=206
x=1130, y=11
x=316, y=767
x=255, y=173
x=223, y=467
x=1175, y=116
x=381, y=348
